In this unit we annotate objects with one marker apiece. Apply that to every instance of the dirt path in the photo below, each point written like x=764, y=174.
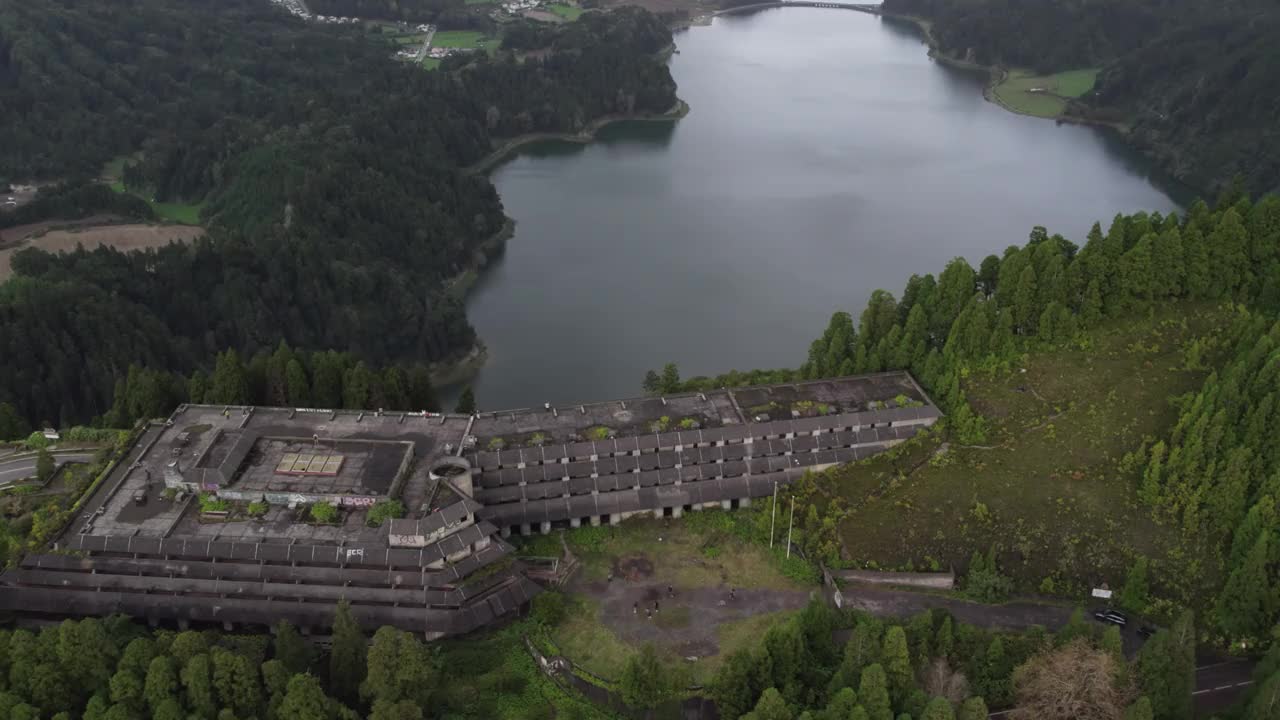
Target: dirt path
x=121, y=237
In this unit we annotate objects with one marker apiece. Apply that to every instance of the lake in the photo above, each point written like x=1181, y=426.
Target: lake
x=825, y=155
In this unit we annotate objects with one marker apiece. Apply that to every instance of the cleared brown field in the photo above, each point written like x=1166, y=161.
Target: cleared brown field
x=121, y=237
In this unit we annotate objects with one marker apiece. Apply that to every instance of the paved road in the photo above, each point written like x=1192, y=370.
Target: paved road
x=1220, y=684
x=19, y=467
x=426, y=45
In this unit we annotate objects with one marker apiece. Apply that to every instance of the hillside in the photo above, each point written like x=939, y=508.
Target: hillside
x=331, y=178
x=1192, y=82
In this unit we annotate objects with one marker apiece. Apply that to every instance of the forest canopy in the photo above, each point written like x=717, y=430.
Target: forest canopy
x=332, y=179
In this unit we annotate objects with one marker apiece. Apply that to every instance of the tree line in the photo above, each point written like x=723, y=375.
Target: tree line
x=1190, y=81
x=113, y=669
x=333, y=181
x=932, y=667
x=281, y=378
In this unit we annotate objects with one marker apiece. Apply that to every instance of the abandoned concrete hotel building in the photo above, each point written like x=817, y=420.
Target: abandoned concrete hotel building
x=169, y=535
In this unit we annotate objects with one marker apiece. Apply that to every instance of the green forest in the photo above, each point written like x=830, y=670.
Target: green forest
x=115, y=669
x=1189, y=82
x=333, y=182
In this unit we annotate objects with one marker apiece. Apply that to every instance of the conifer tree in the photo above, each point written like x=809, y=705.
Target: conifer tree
x=896, y=660
x=346, y=657
x=229, y=385
x=873, y=693
x=938, y=709
x=1243, y=607
x=972, y=709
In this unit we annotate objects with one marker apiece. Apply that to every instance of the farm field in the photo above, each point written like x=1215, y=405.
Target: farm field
x=121, y=237
x=1043, y=95
x=458, y=39
x=568, y=12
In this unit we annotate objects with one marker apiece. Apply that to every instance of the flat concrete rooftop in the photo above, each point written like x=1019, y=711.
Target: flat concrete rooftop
x=353, y=467
x=712, y=409
x=371, y=447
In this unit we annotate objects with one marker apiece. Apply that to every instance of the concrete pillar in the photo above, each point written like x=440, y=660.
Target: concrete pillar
x=595, y=520
x=526, y=529
x=575, y=522
x=615, y=518
x=184, y=624
x=744, y=502
x=677, y=511
x=227, y=626
x=726, y=504
x=546, y=527
x=506, y=531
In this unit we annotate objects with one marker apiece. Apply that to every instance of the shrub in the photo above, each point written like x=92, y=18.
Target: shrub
x=984, y=581
x=37, y=441
x=324, y=513
x=213, y=503
x=549, y=608
x=81, y=433
x=599, y=432
x=384, y=510
x=258, y=508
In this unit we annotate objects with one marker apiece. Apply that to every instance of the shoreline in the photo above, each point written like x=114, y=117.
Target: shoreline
x=995, y=76
x=584, y=136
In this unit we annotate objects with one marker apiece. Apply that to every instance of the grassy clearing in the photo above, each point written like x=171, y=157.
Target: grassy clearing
x=584, y=637
x=568, y=12
x=685, y=557
x=457, y=39
x=430, y=63
x=1044, y=95
x=181, y=213
x=1050, y=487
x=693, y=553
x=481, y=2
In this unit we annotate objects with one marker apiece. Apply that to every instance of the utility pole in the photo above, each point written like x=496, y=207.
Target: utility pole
x=791, y=523
x=773, y=518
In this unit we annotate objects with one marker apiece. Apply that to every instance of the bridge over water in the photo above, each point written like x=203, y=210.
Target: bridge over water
x=874, y=9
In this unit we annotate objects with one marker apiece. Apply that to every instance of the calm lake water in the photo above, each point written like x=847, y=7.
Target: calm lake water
x=825, y=156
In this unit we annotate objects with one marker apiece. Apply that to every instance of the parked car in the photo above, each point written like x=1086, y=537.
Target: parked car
x=1112, y=616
